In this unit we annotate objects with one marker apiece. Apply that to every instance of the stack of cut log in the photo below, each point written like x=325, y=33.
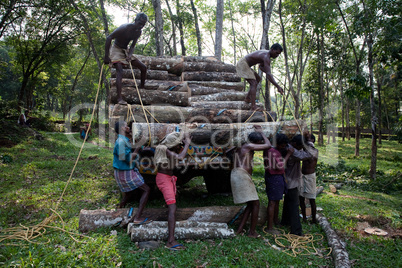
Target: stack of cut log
x=185, y=89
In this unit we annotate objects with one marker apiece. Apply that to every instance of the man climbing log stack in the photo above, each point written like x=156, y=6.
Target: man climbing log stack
x=118, y=54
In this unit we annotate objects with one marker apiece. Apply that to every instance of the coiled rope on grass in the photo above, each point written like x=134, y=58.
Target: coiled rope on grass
x=294, y=245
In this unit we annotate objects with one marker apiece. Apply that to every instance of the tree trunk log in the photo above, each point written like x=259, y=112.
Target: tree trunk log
x=200, y=90
x=230, y=105
x=156, y=97
x=218, y=135
x=223, y=96
x=210, y=76
x=171, y=64
x=339, y=253
x=238, y=86
x=217, y=66
x=149, y=84
x=200, y=59
x=92, y=219
x=175, y=114
x=151, y=74
x=184, y=230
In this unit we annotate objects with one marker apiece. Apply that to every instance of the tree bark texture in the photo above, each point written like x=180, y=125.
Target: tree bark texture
x=219, y=28
x=176, y=114
x=158, y=27
x=197, y=28
x=210, y=76
x=230, y=105
x=223, y=96
x=184, y=230
x=150, y=84
x=90, y=220
x=151, y=74
x=218, y=135
x=339, y=253
x=150, y=98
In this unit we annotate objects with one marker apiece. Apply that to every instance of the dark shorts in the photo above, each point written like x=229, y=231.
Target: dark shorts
x=275, y=186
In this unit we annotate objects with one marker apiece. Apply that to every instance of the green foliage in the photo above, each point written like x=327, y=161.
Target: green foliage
x=398, y=131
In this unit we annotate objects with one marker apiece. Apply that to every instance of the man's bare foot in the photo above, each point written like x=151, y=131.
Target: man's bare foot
x=254, y=235
x=273, y=231
x=122, y=102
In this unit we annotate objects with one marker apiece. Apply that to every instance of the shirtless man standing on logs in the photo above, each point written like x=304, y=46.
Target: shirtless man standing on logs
x=262, y=57
x=121, y=55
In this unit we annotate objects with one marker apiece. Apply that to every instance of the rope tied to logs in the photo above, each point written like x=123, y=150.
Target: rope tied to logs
x=142, y=105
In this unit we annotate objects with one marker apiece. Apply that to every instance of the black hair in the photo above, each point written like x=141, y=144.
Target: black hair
x=281, y=139
x=298, y=139
x=117, y=126
x=276, y=46
x=255, y=137
x=141, y=15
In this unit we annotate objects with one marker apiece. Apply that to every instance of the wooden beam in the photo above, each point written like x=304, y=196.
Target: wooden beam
x=218, y=135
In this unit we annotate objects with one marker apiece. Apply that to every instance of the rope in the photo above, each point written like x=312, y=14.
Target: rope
x=266, y=119
x=294, y=245
x=130, y=113
x=142, y=105
x=30, y=233
x=250, y=116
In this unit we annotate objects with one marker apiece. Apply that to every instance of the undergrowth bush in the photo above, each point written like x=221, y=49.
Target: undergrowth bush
x=358, y=178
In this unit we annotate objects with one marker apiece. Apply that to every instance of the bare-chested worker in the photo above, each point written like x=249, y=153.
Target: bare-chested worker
x=243, y=188
x=119, y=54
x=307, y=187
x=263, y=58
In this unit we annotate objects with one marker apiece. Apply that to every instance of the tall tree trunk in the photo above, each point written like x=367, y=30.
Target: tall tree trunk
x=197, y=28
x=379, y=86
x=172, y=20
x=106, y=30
x=181, y=30
x=358, y=60
x=343, y=111
x=158, y=27
x=347, y=119
x=321, y=90
x=285, y=53
x=357, y=128
x=219, y=29
x=311, y=113
x=266, y=12
x=233, y=34
x=373, y=164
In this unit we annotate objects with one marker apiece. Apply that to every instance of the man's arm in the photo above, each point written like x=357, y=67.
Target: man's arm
x=266, y=68
x=107, y=48
x=132, y=46
x=260, y=147
x=182, y=154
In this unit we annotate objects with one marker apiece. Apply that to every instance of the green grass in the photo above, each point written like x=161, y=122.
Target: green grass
x=33, y=181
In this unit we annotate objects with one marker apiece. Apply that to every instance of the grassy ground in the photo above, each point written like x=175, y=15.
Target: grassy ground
x=34, y=174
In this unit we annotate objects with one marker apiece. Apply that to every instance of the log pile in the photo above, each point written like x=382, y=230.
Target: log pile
x=185, y=89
